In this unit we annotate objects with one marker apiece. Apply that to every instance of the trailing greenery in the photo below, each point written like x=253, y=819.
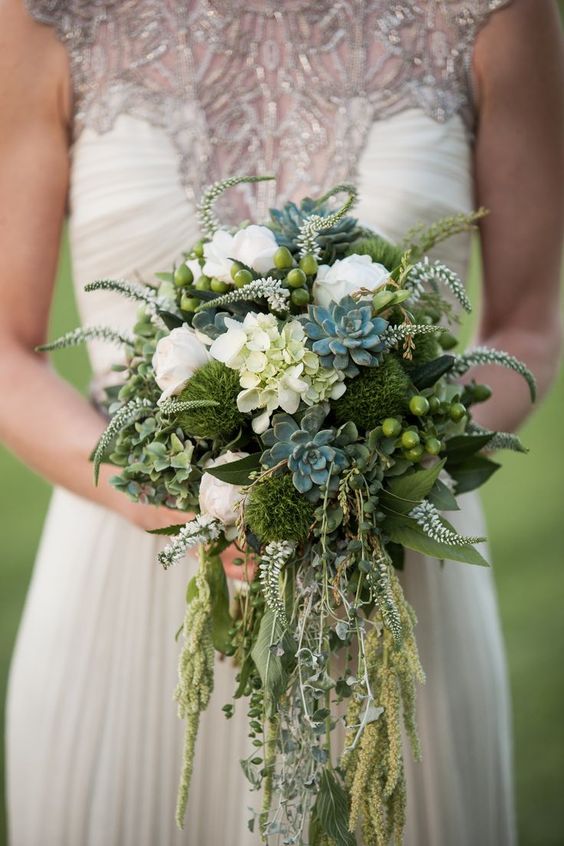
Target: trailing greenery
x=378, y=392
x=209, y=223
x=85, y=334
x=421, y=238
x=195, y=676
x=215, y=383
x=316, y=223
x=485, y=355
x=275, y=511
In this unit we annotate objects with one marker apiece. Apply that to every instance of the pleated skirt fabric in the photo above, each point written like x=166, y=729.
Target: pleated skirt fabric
x=94, y=745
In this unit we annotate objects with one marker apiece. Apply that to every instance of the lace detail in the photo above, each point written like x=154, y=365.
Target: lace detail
x=287, y=88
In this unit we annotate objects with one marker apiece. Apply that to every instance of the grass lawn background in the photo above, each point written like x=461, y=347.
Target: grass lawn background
x=526, y=529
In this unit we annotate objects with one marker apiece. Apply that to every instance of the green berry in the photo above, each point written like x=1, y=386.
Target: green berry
x=456, y=411
x=447, y=340
x=481, y=393
x=410, y=439
x=283, y=258
x=299, y=297
x=391, y=427
x=235, y=266
x=432, y=446
x=202, y=283
x=183, y=276
x=242, y=277
x=296, y=278
x=418, y=405
x=415, y=453
x=309, y=265
x=434, y=405
x=198, y=249
x=218, y=285
x=189, y=303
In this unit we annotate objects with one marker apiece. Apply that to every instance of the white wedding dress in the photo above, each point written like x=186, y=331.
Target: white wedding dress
x=168, y=97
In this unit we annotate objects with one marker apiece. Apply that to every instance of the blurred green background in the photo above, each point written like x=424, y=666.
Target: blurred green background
x=526, y=529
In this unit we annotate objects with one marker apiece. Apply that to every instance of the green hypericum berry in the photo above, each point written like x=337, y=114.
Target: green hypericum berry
x=481, y=393
x=202, y=283
x=296, y=278
x=456, y=411
x=218, y=285
x=309, y=265
x=299, y=297
x=447, y=340
x=419, y=405
x=434, y=405
x=198, y=249
x=242, y=277
x=235, y=266
x=283, y=258
x=189, y=303
x=391, y=427
x=432, y=446
x=415, y=453
x=409, y=439
x=183, y=276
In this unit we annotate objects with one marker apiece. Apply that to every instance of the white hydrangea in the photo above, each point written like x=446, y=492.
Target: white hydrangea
x=276, y=369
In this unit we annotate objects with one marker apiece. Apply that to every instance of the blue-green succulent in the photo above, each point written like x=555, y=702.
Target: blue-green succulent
x=314, y=460
x=345, y=335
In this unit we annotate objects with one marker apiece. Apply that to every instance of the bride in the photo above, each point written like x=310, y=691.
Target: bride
x=117, y=113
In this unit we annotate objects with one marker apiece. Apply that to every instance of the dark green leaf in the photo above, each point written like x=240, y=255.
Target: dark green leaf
x=406, y=532
x=171, y=321
x=332, y=810
x=404, y=492
x=273, y=669
x=168, y=530
x=236, y=472
x=463, y=446
x=221, y=620
x=442, y=498
x=427, y=374
x=470, y=474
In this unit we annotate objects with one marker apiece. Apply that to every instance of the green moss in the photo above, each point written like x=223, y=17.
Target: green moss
x=213, y=381
x=376, y=393
x=426, y=349
x=379, y=250
x=275, y=510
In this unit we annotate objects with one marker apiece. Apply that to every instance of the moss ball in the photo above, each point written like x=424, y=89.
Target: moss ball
x=376, y=393
x=276, y=511
x=213, y=381
x=379, y=250
x=426, y=349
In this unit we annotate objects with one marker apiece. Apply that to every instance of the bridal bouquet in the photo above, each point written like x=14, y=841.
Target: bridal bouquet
x=290, y=386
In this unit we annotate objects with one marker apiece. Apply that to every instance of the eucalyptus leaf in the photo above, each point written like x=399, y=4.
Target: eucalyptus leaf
x=332, y=810
x=236, y=472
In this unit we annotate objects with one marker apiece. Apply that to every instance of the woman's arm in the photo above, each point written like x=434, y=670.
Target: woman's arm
x=519, y=166
x=42, y=418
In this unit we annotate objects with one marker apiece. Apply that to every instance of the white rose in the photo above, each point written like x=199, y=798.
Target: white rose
x=177, y=357
x=254, y=246
x=220, y=499
x=347, y=275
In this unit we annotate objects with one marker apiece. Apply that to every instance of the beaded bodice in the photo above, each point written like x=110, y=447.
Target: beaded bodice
x=289, y=87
